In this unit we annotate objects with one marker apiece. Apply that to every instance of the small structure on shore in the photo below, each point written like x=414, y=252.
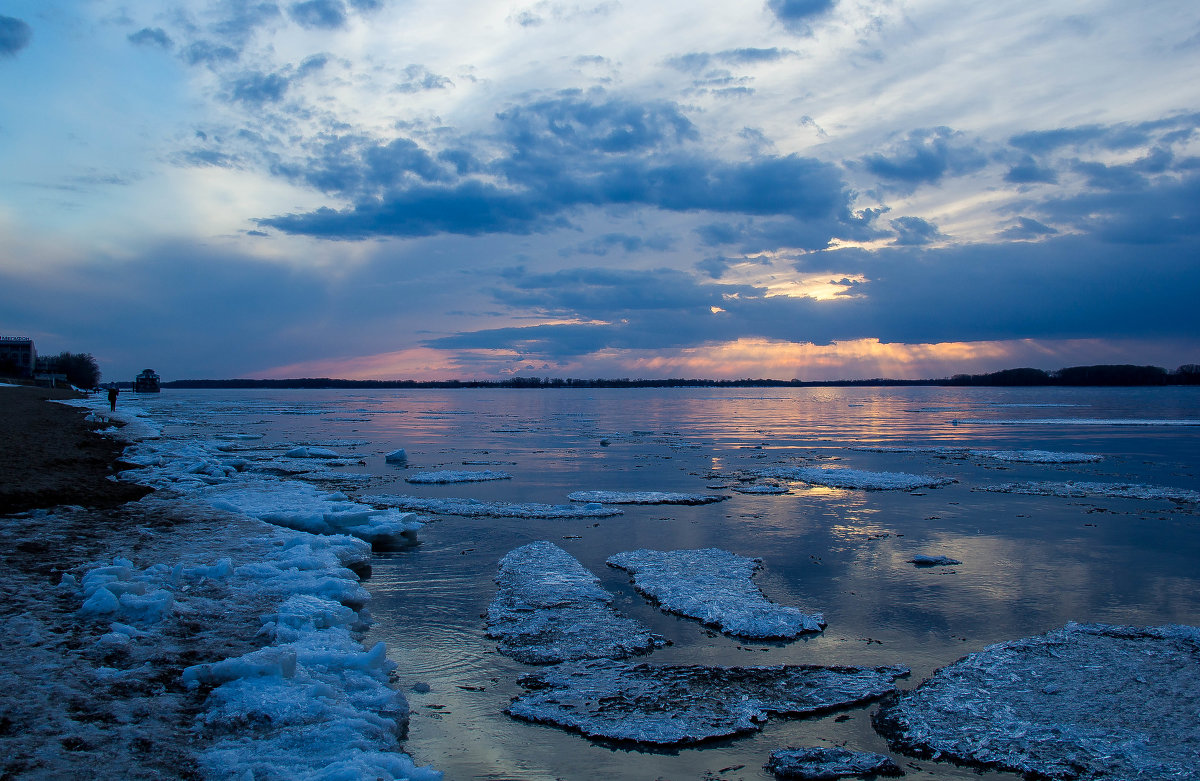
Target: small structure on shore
x=146, y=382
x=19, y=354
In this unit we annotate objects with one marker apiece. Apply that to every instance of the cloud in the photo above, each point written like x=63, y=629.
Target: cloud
x=151, y=36
x=319, y=14
x=15, y=35
x=1027, y=228
x=558, y=155
x=209, y=53
x=603, y=244
x=697, y=61
x=256, y=88
x=1028, y=171
x=914, y=231
x=796, y=15
x=925, y=157
x=418, y=79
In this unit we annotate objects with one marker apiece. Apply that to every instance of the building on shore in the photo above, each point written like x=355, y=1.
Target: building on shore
x=17, y=354
x=146, y=382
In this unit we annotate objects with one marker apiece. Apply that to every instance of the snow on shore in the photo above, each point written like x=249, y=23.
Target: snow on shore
x=548, y=608
x=302, y=698
x=715, y=587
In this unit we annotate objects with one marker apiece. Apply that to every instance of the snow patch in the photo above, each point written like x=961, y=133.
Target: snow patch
x=715, y=587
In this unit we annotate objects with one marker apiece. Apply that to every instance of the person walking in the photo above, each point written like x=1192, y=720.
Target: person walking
x=112, y=398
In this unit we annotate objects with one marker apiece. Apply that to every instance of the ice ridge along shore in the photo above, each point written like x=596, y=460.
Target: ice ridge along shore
x=549, y=608
x=306, y=700
x=714, y=586
x=1087, y=702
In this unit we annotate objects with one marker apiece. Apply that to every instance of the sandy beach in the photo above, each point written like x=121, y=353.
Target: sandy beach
x=50, y=455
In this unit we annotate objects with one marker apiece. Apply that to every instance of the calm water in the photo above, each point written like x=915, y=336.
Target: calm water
x=1030, y=563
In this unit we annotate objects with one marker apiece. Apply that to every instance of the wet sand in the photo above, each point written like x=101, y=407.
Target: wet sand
x=50, y=455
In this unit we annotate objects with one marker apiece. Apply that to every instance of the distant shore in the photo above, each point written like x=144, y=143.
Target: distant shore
x=50, y=455
x=1104, y=375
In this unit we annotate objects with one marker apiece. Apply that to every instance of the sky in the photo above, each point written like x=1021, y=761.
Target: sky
x=789, y=189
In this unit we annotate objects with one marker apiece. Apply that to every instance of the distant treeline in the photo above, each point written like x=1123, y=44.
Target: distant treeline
x=1110, y=375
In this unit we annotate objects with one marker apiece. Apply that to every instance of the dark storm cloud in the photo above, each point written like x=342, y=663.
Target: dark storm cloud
x=914, y=231
x=796, y=15
x=1027, y=228
x=556, y=155
x=319, y=14
x=925, y=157
x=151, y=36
x=15, y=35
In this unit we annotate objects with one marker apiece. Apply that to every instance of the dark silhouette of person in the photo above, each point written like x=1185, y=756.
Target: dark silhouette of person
x=112, y=398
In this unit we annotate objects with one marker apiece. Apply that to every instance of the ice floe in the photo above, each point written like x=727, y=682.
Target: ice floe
x=763, y=489
x=644, y=497
x=1014, y=456
x=1083, y=490
x=399, y=456
x=549, y=608
x=924, y=560
x=305, y=507
x=1088, y=701
x=452, y=476
x=841, y=477
x=670, y=705
x=474, y=508
x=311, y=452
x=715, y=587
x=822, y=763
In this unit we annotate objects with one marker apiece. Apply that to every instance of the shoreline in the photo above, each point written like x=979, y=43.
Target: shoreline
x=50, y=455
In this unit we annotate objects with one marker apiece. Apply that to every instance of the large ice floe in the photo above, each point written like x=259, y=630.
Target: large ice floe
x=549, y=608
x=1083, y=490
x=474, y=508
x=671, y=705
x=1077, y=422
x=821, y=763
x=453, y=476
x=644, y=497
x=715, y=587
x=841, y=477
x=1088, y=701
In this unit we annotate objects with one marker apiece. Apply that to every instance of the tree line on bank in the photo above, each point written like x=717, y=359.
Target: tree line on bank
x=1101, y=375
x=80, y=369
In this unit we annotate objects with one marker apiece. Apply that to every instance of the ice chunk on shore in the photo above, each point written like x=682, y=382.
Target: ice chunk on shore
x=672, y=705
x=827, y=763
x=1088, y=701
x=714, y=586
x=548, y=608
x=452, y=476
x=644, y=497
x=841, y=477
x=473, y=508
x=923, y=560
x=304, y=507
x=1082, y=490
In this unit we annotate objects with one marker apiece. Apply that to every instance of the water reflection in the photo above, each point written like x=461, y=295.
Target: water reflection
x=1030, y=563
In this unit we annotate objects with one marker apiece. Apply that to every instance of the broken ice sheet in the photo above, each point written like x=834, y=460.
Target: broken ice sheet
x=1088, y=701
x=827, y=763
x=644, y=497
x=671, y=705
x=457, y=476
x=474, y=508
x=1080, y=490
x=548, y=609
x=714, y=586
